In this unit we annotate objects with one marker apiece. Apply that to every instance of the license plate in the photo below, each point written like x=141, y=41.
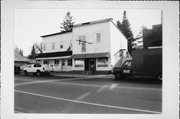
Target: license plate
x=126, y=71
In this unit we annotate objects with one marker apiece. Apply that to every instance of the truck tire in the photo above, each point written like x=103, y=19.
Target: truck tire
x=117, y=76
x=159, y=76
x=25, y=72
x=38, y=73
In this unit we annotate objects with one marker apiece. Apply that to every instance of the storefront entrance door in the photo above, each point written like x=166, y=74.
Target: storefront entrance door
x=90, y=65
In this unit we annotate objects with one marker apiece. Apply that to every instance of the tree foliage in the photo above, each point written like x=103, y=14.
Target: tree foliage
x=68, y=22
x=33, y=53
x=124, y=26
x=20, y=51
x=38, y=46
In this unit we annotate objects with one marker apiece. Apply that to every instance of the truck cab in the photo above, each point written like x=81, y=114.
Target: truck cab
x=144, y=63
x=123, y=70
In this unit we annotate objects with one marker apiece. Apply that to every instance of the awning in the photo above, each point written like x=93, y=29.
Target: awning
x=91, y=55
x=54, y=54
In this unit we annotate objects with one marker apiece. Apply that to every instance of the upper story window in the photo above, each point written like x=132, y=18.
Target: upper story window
x=61, y=45
x=98, y=37
x=83, y=43
x=43, y=46
x=53, y=45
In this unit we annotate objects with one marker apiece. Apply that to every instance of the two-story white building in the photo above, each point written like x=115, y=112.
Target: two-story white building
x=89, y=48
x=57, y=51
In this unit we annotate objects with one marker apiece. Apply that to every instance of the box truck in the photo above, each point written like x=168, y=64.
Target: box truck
x=143, y=63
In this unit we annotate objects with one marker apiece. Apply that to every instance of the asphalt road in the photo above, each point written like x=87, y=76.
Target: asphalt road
x=83, y=95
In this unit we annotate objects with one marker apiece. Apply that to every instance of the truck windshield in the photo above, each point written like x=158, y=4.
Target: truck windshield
x=37, y=65
x=127, y=65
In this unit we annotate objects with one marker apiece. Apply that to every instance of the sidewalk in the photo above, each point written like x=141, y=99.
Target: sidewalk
x=81, y=75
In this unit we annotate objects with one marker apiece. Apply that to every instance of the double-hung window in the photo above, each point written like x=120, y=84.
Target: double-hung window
x=98, y=37
x=53, y=45
x=61, y=45
x=43, y=46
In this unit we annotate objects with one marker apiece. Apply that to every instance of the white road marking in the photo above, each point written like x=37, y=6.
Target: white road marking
x=53, y=80
x=33, y=82
x=113, y=86
x=81, y=97
x=108, y=86
x=88, y=103
x=102, y=88
x=60, y=81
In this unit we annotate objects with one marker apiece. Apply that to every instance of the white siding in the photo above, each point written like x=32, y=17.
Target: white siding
x=90, y=35
x=118, y=41
x=65, y=38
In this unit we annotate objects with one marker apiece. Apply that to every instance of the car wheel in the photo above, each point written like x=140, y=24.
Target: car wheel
x=159, y=76
x=38, y=73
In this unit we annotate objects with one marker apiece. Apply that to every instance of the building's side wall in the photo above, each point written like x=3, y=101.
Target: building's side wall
x=118, y=41
x=64, y=39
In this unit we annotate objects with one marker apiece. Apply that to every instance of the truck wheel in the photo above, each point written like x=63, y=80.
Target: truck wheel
x=38, y=73
x=25, y=72
x=159, y=76
x=117, y=76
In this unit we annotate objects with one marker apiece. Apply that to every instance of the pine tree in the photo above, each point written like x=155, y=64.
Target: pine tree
x=126, y=29
x=67, y=22
x=21, y=52
x=33, y=53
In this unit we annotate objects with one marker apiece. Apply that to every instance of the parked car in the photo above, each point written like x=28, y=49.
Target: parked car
x=37, y=69
x=17, y=69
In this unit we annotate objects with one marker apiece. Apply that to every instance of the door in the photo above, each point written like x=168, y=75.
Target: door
x=92, y=66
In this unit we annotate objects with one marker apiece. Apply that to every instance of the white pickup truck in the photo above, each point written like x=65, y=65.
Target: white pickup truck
x=36, y=69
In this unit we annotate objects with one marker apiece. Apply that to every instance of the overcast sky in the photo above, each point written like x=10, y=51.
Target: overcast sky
x=30, y=24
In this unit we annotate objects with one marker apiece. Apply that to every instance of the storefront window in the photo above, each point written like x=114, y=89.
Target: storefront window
x=78, y=62
x=102, y=62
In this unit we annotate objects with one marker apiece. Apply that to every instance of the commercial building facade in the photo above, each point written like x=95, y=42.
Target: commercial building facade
x=89, y=48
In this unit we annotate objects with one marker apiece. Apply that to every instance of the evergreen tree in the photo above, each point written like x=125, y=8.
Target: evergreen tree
x=67, y=23
x=126, y=30
x=21, y=52
x=33, y=53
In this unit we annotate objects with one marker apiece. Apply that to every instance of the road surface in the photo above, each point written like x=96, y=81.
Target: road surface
x=98, y=94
